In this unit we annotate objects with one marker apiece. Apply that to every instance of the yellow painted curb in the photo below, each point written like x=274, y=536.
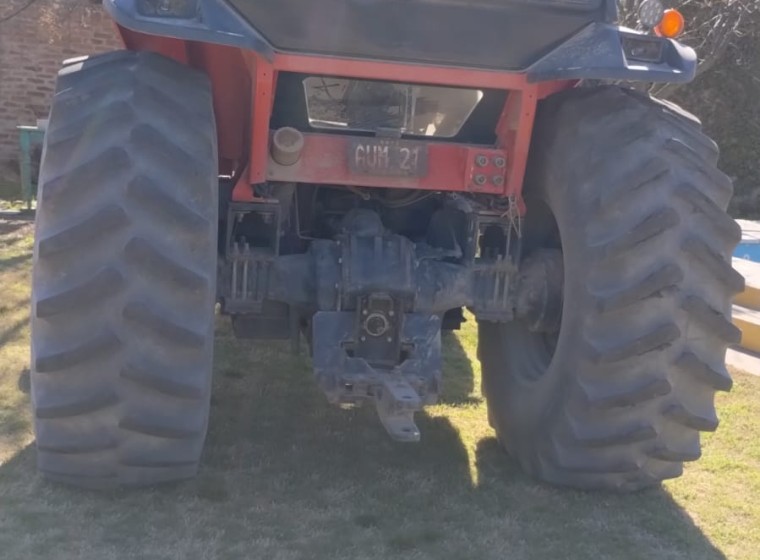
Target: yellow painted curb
x=748, y=321
x=750, y=297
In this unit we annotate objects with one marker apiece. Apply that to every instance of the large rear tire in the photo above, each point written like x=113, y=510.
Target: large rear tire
x=628, y=189
x=124, y=273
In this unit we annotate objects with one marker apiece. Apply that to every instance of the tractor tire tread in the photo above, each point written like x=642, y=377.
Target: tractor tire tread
x=649, y=259
x=125, y=272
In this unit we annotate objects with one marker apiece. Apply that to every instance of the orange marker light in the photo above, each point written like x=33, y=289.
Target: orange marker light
x=672, y=24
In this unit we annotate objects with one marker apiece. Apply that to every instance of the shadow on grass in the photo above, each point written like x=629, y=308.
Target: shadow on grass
x=12, y=332
x=14, y=225
x=14, y=242
x=647, y=524
x=286, y=475
x=13, y=306
x=24, y=382
x=10, y=262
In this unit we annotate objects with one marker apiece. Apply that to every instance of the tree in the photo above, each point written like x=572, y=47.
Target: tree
x=712, y=27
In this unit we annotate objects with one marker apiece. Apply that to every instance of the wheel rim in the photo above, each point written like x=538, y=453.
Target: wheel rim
x=534, y=351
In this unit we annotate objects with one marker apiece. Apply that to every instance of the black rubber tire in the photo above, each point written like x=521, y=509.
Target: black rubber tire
x=629, y=188
x=124, y=273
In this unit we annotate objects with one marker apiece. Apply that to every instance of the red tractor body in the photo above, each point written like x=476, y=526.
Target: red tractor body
x=360, y=173
x=517, y=52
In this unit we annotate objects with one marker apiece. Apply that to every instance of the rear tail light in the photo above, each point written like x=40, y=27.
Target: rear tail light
x=671, y=25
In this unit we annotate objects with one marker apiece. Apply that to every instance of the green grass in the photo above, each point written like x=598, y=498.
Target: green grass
x=11, y=198
x=285, y=476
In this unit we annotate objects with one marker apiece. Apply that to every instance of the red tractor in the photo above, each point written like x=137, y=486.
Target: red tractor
x=357, y=172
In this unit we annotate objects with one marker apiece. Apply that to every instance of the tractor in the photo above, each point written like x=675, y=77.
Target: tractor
x=363, y=175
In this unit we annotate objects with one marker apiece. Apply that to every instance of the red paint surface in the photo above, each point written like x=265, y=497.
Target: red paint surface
x=451, y=167
x=244, y=85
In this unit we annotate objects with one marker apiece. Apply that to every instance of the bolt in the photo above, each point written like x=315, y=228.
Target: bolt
x=481, y=160
x=480, y=180
x=498, y=180
x=499, y=161
x=391, y=313
x=364, y=312
x=363, y=338
x=340, y=260
x=389, y=339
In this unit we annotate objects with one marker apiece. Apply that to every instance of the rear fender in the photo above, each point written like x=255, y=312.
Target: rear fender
x=595, y=52
x=598, y=53
x=214, y=22
x=244, y=70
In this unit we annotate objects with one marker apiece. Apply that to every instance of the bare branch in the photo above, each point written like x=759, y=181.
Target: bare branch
x=713, y=27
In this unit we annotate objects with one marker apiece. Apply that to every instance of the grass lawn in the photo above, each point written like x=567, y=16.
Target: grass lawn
x=285, y=476
x=11, y=197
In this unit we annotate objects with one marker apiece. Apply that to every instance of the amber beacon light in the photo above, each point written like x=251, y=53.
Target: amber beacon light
x=671, y=25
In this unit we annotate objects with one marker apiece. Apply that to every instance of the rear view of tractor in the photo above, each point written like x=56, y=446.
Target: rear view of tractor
x=356, y=173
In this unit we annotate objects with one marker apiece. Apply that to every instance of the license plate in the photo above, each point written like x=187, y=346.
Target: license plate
x=387, y=157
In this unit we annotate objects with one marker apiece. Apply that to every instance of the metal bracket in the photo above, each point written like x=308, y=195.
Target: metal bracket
x=396, y=391
x=250, y=255
x=396, y=401
x=379, y=319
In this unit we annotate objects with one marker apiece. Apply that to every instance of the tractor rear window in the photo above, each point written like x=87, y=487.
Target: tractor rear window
x=370, y=106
